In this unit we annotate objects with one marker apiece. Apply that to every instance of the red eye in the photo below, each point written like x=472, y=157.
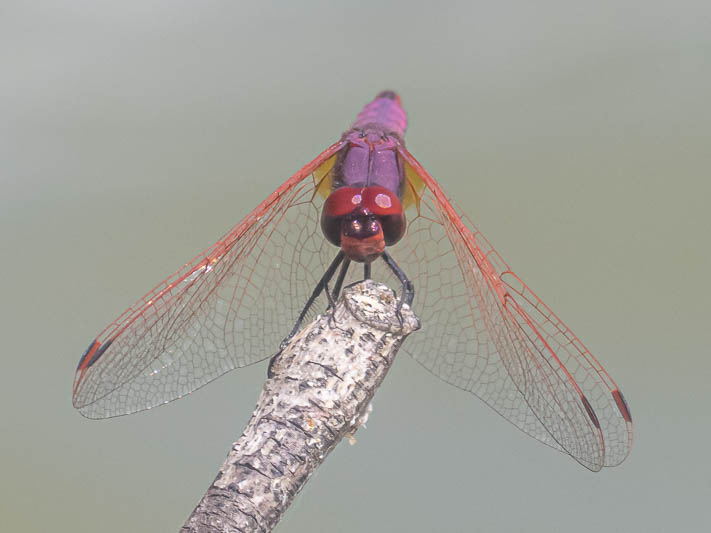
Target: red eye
x=381, y=201
x=340, y=203
x=385, y=205
x=343, y=201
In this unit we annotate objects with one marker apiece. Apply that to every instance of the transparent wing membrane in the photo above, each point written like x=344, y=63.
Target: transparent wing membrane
x=486, y=332
x=228, y=308
x=483, y=329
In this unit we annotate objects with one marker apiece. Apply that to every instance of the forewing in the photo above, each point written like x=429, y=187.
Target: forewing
x=486, y=332
x=228, y=308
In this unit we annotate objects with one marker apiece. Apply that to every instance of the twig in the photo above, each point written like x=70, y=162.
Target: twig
x=320, y=391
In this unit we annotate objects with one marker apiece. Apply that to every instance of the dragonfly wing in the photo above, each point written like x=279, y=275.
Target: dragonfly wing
x=486, y=332
x=227, y=308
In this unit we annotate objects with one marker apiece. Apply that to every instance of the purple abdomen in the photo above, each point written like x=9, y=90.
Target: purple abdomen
x=371, y=157
x=384, y=112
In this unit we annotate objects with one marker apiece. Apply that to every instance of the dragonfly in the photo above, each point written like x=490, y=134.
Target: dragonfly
x=363, y=208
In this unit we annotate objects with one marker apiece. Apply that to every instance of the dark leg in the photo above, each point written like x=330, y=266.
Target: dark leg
x=341, y=277
x=408, y=291
x=320, y=286
x=366, y=271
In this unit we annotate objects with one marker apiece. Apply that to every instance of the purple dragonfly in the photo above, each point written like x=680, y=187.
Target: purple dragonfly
x=365, y=201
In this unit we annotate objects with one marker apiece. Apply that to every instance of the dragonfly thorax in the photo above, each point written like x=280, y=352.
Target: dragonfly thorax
x=369, y=157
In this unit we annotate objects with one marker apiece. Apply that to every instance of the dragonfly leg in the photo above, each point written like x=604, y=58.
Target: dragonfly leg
x=337, y=288
x=366, y=271
x=329, y=297
x=341, y=277
x=320, y=286
x=408, y=290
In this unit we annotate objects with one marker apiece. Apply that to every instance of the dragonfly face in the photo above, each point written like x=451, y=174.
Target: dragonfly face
x=362, y=221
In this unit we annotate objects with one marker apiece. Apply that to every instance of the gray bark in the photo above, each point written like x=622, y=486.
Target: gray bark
x=320, y=392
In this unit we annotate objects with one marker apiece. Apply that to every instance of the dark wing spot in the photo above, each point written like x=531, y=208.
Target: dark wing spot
x=590, y=411
x=93, y=345
x=98, y=353
x=622, y=405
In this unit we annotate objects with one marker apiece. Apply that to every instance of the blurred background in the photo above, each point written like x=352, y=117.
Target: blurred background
x=576, y=135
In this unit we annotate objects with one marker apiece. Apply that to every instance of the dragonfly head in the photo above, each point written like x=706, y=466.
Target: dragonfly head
x=363, y=221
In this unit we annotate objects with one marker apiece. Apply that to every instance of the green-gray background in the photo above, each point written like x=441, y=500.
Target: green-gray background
x=575, y=134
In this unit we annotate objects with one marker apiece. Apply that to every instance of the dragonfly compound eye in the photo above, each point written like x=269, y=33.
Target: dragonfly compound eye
x=340, y=203
x=385, y=205
x=347, y=208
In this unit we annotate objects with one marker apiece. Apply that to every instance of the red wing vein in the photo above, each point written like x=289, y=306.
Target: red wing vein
x=223, y=310
x=503, y=344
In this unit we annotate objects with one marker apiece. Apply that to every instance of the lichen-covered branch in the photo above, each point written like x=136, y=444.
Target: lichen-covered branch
x=320, y=391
